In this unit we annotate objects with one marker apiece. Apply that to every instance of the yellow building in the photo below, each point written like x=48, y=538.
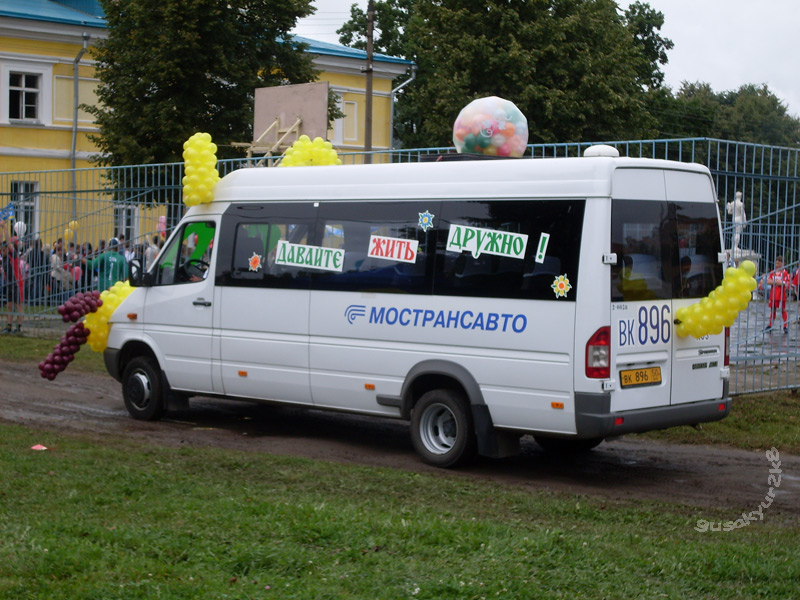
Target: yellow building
x=45, y=58
x=42, y=59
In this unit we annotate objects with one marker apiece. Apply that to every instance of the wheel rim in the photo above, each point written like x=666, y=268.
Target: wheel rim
x=438, y=429
x=139, y=390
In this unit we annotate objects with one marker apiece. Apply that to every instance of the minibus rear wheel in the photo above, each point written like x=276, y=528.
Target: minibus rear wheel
x=142, y=389
x=442, y=430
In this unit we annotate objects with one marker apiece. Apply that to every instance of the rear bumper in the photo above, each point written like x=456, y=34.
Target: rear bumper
x=594, y=419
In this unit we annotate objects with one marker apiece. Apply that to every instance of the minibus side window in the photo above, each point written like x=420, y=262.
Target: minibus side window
x=510, y=249
x=188, y=257
x=385, y=247
x=255, y=253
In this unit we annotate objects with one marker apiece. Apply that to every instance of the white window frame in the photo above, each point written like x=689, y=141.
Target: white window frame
x=44, y=72
x=126, y=219
x=26, y=203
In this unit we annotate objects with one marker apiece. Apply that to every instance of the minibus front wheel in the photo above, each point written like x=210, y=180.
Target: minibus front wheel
x=442, y=430
x=142, y=389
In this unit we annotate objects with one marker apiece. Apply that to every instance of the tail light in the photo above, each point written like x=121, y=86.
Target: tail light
x=598, y=354
x=727, y=346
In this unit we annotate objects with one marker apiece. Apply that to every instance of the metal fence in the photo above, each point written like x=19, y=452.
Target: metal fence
x=141, y=205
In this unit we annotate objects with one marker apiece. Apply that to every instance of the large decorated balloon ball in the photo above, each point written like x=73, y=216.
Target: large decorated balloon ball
x=491, y=126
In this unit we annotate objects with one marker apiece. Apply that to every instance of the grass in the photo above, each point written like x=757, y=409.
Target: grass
x=756, y=422
x=34, y=349
x=122, y=519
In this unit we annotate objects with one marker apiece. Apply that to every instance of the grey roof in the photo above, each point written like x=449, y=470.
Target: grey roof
x=329, y=49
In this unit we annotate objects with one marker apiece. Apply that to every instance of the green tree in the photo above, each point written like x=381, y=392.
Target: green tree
x=754, y=114
x=750, y=114
x=695, y=111
x=645, y=23
x=170, y=68
x=391, y=19
x=575, y=68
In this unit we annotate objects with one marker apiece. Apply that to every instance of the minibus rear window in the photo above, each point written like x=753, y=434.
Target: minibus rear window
x=664, y=250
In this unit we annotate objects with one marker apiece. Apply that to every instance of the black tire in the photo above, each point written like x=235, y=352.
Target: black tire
x=143, y=389
x=442, y=430
x=567, y=446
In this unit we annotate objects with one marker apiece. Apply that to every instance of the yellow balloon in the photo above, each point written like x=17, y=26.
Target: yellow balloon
x=305, y=152
x=749, y=267
x=200, y=168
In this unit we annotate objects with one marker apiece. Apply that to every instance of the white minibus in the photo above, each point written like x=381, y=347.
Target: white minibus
x=482, y=300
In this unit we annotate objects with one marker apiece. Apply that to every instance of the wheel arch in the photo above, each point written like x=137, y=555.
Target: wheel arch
x=442, y=374
x=117, y=360
x=131, y=350
x=437, y=374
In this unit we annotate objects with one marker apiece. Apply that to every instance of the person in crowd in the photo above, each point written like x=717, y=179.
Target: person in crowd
x=14, y=279
x=780, y=281
x=38, y=259
x=125, y=248
x=111, y=265
x=151, y=252
x=86, y=274
x=60, y=277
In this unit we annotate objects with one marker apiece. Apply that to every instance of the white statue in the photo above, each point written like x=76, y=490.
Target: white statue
x=736, y=209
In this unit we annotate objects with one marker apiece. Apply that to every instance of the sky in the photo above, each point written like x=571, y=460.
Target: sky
x=726, y=43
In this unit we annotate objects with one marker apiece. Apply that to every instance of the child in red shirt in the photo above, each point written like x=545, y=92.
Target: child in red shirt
x=780, y=280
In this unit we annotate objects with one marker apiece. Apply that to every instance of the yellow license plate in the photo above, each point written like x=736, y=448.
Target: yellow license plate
x=639, y=377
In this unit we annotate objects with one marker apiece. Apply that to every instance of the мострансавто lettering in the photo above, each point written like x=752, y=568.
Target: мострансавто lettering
x=448, y=319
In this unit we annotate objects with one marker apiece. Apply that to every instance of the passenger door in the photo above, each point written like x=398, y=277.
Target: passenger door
x=179, y=307
x=263, y=307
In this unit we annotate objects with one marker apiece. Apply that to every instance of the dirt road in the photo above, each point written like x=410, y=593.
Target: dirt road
x=698, y=476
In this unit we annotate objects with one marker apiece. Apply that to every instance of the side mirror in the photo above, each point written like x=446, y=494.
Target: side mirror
x=137, y=276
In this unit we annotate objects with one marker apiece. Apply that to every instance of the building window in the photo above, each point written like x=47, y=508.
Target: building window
x=23, y=96
x=24, y=196
x=26, y=92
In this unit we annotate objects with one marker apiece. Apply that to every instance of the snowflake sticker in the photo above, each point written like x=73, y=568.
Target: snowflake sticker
x=561, y=286
x=254, y=262
x=426, y=221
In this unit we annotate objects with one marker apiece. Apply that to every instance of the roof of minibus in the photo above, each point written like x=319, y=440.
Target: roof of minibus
x=513, y=178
